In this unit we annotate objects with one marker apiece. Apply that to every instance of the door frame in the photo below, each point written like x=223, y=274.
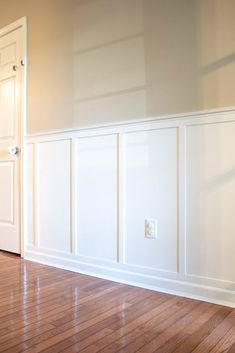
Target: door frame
x=21, y=23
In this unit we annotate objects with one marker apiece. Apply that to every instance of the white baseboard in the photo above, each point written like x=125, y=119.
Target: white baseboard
x=181, y=288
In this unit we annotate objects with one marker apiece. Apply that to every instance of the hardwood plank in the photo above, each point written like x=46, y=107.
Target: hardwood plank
x=81, y=335
x=173, y=304
x=217, y=334
x=71, y=328
x=49, y=310
x=168, y=336
x=225, y=344
x=205, y=330
x=232, y=349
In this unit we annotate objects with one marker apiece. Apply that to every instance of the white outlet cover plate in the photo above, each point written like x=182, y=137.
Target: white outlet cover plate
x=151, y=228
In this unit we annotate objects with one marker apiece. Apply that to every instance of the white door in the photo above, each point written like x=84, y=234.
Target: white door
x=11, y=68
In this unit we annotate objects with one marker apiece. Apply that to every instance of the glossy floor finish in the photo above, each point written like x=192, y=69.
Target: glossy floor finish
x=44, y=309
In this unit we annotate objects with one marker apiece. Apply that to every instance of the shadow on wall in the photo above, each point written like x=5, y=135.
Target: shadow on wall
x=109, y=61
x=217, y=53
x=101, y=61
x=172, y=63
x=229, y=59
x=143, y=58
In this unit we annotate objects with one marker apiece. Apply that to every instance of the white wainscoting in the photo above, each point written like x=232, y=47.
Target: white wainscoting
x=96, y=187
x=150, y=182
x=88, y=193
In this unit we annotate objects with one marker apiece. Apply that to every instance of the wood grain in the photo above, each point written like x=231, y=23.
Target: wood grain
x=49, y=310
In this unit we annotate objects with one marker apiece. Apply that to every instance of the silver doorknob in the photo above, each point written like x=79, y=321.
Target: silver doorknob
x=15, y=67
x=13, y=150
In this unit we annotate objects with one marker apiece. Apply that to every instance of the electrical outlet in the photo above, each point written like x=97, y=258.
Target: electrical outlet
x=151, y=228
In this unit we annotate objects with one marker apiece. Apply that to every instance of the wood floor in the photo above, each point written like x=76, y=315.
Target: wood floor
x=44, y=309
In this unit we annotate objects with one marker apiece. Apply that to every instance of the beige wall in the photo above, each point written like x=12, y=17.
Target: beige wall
x=98, y=61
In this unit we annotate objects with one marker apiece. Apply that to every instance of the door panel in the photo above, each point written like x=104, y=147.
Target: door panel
x=11, y=51
x=7, y=192
x=9, y=47
x=7, y=104
x=8, y=54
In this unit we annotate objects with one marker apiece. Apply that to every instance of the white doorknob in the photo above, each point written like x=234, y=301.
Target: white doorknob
x=13, y=150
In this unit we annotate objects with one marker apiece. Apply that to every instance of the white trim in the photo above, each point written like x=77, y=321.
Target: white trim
x=73, y=196
x=121, y=193
x=164, y=275
x=165, y=285
x=181, y=200
x=139, y=121
x=178, y=159
x=163, y=122
x=35, y=195
x=23, y=23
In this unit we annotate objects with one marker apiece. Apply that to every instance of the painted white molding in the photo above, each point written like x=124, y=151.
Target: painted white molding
x=125, y=173
x=211, y=116
x=22, y=22
x=183, y=288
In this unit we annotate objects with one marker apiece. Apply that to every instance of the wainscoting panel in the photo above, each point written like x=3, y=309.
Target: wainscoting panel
x=53, y=196
x=29, y=194
x=96, y=197
x=151, y=189
x=7, y=189
x=88, y=193
x=211, y=200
